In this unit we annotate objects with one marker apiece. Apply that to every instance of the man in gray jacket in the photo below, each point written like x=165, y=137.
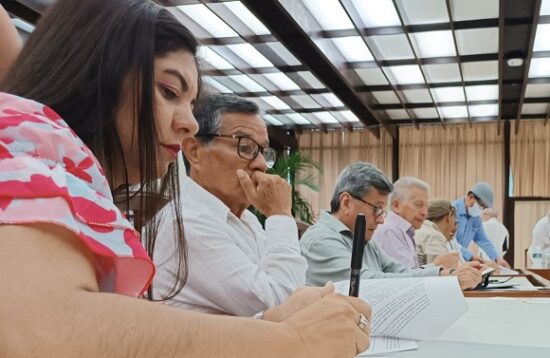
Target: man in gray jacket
x=327, y=245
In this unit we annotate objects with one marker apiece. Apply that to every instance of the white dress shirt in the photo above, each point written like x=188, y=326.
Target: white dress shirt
x=235, y=266
x=541, y=235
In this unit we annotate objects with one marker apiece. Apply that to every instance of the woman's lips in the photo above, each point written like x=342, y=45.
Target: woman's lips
x=172, y=150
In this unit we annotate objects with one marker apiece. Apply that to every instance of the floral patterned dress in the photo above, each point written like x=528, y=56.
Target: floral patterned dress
x=48, y=175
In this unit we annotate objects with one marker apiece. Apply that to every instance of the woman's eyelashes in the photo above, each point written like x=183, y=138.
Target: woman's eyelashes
x=168, y=92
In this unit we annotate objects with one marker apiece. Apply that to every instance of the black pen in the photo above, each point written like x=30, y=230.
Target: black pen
x=357, y=254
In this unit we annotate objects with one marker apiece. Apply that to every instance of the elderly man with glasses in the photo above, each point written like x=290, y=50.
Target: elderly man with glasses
x=470, y=226
x=234, y=265
x=327, y=245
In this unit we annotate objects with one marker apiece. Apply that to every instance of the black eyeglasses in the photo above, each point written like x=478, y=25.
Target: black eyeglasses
x=248, y=148
x=378, y=211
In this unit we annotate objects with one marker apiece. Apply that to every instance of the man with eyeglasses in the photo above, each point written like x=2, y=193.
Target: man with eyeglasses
x=234, y=266
x=470, y=226
x=327, y=245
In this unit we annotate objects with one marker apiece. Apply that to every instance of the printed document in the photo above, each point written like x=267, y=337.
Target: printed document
x=379, y=345
x=411, y=308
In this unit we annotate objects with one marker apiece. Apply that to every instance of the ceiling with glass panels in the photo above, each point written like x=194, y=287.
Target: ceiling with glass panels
x=324, y=64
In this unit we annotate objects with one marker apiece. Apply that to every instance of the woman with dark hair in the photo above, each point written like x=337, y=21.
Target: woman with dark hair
x=113, y=84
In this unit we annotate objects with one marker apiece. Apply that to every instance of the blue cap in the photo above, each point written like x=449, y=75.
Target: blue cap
x=484, y=192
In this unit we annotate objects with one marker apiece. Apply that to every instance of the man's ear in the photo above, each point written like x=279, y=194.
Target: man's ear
x=345, y=201
x=190, y=147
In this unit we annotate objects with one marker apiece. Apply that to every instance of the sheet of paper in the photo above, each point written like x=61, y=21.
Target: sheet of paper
x=380, y=345
x=411, y=308
x=505, y=321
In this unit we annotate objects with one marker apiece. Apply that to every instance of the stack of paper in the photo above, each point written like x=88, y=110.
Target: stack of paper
x=409, y=308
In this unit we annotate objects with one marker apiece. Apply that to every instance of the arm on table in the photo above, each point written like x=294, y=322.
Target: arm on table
x=59, y=312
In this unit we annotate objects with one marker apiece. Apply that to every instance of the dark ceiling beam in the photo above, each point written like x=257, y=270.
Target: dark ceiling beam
x=281, y=23
x=21, y=10
x=283, y=137
x=533, y=31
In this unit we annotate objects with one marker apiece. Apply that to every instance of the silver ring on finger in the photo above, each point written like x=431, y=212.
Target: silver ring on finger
x=363, y=322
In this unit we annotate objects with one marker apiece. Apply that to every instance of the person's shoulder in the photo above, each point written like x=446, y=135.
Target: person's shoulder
x=319, y=234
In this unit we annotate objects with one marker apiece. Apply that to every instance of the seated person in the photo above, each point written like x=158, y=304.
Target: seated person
x=541, y=236
x=235, y=266
x=495, y=231
x=112, y=97
x=469, y=210
x=327, y=245
x=408, y=210
x=436, y=236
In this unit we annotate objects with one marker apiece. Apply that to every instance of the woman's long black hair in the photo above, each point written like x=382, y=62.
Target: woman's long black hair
x=76, y=62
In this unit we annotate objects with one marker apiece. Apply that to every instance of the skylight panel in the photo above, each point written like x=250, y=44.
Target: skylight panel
x=465, y=10
x=453, y=111
x=391, y=47
x=448, y=94
x=406, y=74
x=424, y=113
x=272, y=120
x=216, y=85
x=371, y=76
x=397, y=113
x=534, y=108
x=482, y=93
x=330, y=14
x=385, y=97
x=537, y=90
x=250, y=55
x=331, y=99
x=282, y=81
x=477, y=41
x=275, y=102
x=419, y=12
x=283, y=53
x=545, y=7
x=349, y=116
x=480, y=70
x=305, y=101
x=298, y=119
x=311, y=80
x=446, y=72
x=417, y=96
x=247, y=17
x=540, y=67
x=377, y=13
x=247, y=83
x=434, y=43
x=353, y=48
x=208, y=20
x=542, y=39
x=214, y=59
x=484, y=110
x=325, y=117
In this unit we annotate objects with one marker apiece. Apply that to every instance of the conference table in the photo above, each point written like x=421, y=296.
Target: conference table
x=497, y=324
